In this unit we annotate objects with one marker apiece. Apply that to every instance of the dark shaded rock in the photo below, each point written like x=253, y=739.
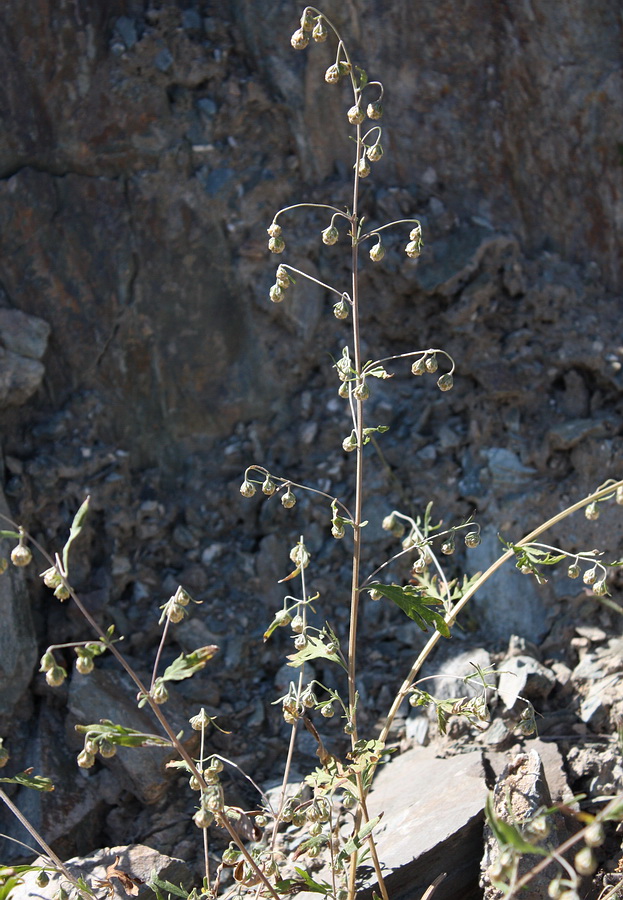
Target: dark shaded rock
x=18, y=647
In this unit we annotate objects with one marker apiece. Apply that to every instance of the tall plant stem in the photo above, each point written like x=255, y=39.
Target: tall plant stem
x=355, y=591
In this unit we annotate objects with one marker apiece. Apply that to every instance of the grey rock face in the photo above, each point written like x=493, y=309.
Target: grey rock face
x=136, y=861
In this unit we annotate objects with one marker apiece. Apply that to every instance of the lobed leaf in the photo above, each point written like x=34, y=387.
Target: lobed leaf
x=414, y=605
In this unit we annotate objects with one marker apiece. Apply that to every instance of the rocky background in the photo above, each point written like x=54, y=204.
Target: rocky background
x=143, y=153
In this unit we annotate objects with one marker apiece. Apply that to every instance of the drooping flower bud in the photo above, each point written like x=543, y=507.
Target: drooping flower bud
x=276, y=244
x=332, y=75
x=47, y=662
x=307, y=20
x=350, y=443
x=431, y=363
x=445, y=382
x=43, y=879
x=320, y=33
x=203, y=818
x=269, y=487
x=282, y=278
x=300, y=641
x=375, y=595
x=362, y=391
x=600, y=588
x=416, y=233
x=374, y=110
x=21, y=555
x=356, y=115
x=590, y=576
x=288, y=500
x=274, y=230
x=343, y=390
x=472, y=539
x=375, y=152
x=55, y=676
x=419, y=366
x=107, y=749
x=200, y=721
x=413, y=249
x=51, y=577
x=330, y=235
x=448, y=546
x=85, y=760
x=247, y=488
x=299, y=39
x=327, y=710
x=276, y=293
x=62, y=592
x=341, y=309
x=298, y=624
x=574, y=571
x=159, y=693
x=338, y=532
x=85, y=664
x=363, y=167
x=592, y=512
x=377, y=252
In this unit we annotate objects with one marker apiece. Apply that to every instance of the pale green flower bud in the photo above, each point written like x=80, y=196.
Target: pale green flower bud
x=85, y=760
x=431, y=363
x=51, y=578
x=413, y=249
x=341, y=309
x=55, y=676
x=350, y=443
x=288, y=500
x=274, y=230
x=62, y=592
x=592, y=512
x=472, y=539
x=362, y=391
x=282, y=278
x=84, y=665
x=269, y=487
x=590, y=576
x=203, y=818
x=377, y=252
x=160, y=693
x=327, y=710
x=276, y=293
x=363, y=167
x=299, y=39
x=343, y=390
x=47, y=661
x=320, y=33
x=338, y=532
x=330, y=235
x=585, y=861
x=374, y=110
x=445, y=382
x=107, y=749
x=419, y=366
x=574, y=571
x=276, y=245
x=298, y=624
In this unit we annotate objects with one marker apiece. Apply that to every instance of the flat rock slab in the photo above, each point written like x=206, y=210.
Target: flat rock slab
x=432, y=823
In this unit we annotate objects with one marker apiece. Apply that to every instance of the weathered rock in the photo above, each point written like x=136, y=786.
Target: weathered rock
x=106, y=868
x=523, y=676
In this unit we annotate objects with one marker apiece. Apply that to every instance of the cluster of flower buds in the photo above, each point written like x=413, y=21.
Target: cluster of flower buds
x=92, y=746
x=282, y=283
x=311, y=24
x=55, y=675
x=276, y=243
x=414, y=247
x=427, y=363
x=52, y=579
x=248, y=489
x=175, y=608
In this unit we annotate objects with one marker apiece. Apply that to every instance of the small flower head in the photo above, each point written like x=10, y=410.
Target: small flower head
x=21, y=555
x=300, y=641
x=445, y=382
x=592, y=512
x=362, y=391
x=600, y=588
x=47, y=661
x=107, y=749
x=356, y=115
x=300, y=39
x=363, y=167
x=247, y=488
x=276, y=293
x=594, y=836
x=472, y=539
x=375, y=152
x=274, y=230
x=341, y=310
x=448, y=546
x=276, y=244
x=419, y=565
x=288, y=500
x=393, y=524
x=327, y=710
x=298, y=624
x=203, y=818
x=416, y=233
x=332, y=75
x=330, y=235
x=585, y=861
x=413, y=249
x=55, y=676
x=419, y=366
x=320, y=33
x=375, y=595
x=377, y=252
x=431, y=363
x=42, y=879
x=62, y=592
x=343, y=390
x=338, y=532
x=374, y=110
x=574, y=571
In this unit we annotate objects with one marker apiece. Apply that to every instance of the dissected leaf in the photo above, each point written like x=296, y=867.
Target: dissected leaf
x=414, y=605
x=187, y=664
x=315, y=649
x=26, y=779
x=123, y=737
